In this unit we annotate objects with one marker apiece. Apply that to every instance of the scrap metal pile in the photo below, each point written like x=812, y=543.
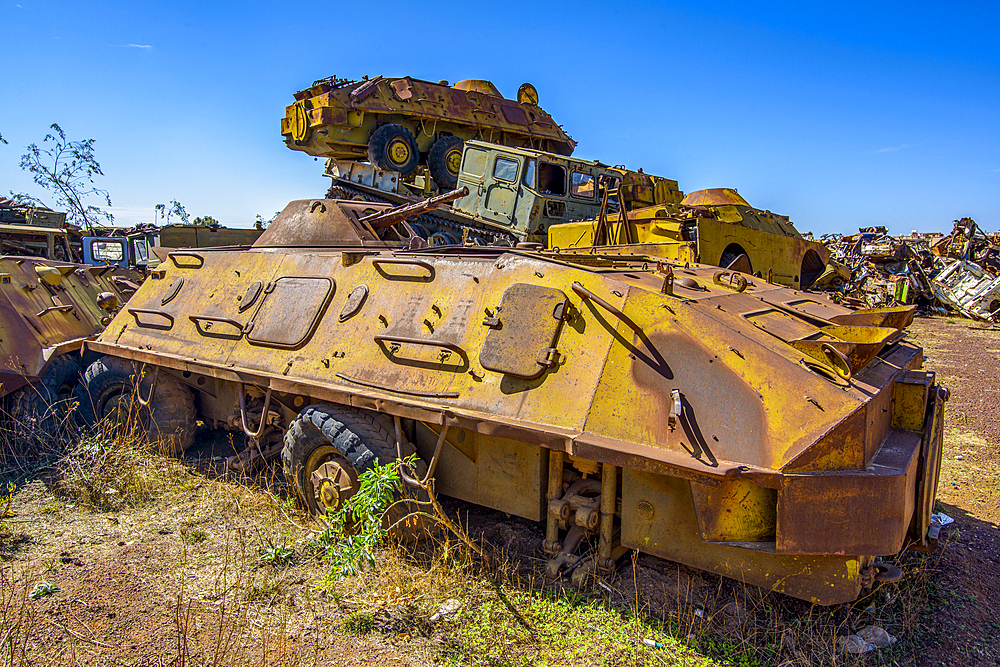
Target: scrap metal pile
x=958, y=272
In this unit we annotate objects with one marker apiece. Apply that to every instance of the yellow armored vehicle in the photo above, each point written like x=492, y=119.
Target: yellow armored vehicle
x=715, y=226
x=398, y=124
x=47, y=310
x=626, y=401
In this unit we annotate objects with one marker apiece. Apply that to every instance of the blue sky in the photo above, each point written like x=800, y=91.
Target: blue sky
x=837, y=114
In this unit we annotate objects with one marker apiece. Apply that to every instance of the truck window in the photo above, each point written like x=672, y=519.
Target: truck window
x=474, y=161
x=107, y=251
x=529, y=174
x=505, y=170
x=551, y=179
x=141, y=252
x=583, y=185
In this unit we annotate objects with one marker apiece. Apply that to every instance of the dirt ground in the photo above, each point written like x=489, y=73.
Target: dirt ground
x=181, y=580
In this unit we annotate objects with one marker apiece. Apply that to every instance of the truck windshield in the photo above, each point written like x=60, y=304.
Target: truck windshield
x=107, y=251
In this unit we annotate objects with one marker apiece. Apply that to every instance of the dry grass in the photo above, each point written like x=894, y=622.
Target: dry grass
x=209, y=571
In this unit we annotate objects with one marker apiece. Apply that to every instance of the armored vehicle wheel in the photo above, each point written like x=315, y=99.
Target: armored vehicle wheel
x=393, y=148
x=444, y=161
x=327, y=447
x=110, y=392
x=40, y=407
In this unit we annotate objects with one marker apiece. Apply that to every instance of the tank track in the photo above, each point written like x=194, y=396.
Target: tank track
x=432, y=228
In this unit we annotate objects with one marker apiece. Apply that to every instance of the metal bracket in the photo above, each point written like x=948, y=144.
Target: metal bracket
x=547, y=356
x=263, y=414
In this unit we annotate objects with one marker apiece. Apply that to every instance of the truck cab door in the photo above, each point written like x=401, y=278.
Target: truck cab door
x=501, y=186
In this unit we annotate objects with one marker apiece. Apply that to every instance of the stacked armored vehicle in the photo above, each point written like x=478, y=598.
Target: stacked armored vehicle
x=720, y=421
x=399, y=124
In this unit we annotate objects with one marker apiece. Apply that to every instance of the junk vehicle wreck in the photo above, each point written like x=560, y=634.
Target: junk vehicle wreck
x=695, y=414
x=47, y=310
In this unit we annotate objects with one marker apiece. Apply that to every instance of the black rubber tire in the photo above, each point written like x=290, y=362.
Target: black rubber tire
x=731, y=254
x=40, y=407
x=381, y=142
x=438, y=159
x=364, y=438
x=169, y=421
x=173, y=417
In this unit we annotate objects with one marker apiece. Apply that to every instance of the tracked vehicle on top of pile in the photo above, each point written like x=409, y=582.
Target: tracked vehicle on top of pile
x=698, y=415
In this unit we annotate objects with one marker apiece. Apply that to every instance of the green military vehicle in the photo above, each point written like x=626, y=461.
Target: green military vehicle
x=399, y=124
x=514, y=193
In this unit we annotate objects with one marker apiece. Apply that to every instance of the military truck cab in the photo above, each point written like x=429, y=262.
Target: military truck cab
x=528, y=190
x=125, y=251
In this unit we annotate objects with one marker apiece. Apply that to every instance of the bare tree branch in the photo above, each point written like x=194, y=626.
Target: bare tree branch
x=67, y=169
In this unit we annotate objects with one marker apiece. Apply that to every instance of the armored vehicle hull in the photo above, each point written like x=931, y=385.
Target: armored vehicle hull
x=399, y=124
x=702, y=416
x=714, y=226
x=47, y=310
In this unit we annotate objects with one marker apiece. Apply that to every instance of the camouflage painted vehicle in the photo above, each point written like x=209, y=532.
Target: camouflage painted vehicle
x=398, y=124
x=626, y=401
x=715, y=226
x=47, y=310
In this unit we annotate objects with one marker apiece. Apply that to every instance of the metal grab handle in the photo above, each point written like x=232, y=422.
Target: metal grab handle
x=211, y=318
x=152, y=388
x=396, y=390
x=407, y=262
x=431, y=467
x=834, y=355
x=174, y=255
x=136, y=312
x=587, y=294
x=263, y=414
x=427, y=342
x=64, y=308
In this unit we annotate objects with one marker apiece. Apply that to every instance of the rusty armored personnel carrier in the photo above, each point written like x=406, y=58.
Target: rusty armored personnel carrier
x=47, y=310
x=741, y=427
x=398, y=124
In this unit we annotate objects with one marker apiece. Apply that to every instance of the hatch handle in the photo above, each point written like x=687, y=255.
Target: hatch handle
x=427, y=266
x=191, y=255
x=66, y=308
x=197, y=319
x=426, y=342
x=136, y=312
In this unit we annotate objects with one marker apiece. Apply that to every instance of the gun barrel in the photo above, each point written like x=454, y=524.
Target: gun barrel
x=397, y=214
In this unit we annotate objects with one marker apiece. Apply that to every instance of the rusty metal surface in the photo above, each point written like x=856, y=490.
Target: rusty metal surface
x=334, y=118
x=594, y=356
x=48, y=309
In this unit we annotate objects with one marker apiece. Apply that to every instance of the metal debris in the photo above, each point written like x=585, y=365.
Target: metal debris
x=959, y=272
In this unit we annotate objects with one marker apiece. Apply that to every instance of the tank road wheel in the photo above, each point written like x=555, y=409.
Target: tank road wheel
x=40, y=407
x=393, y=148
x=109, y=394
x=444, y=162
x=328, y=447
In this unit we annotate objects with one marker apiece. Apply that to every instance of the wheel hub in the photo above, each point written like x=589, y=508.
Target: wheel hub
x=453, y=162
x=332, y=484
x=399, y=152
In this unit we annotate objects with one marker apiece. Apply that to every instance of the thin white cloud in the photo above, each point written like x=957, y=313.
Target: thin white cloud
x=136, y=46
x=891, y=149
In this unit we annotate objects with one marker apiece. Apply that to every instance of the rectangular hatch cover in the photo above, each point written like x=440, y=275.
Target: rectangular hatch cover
x=291, y=310
x=523, y=333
